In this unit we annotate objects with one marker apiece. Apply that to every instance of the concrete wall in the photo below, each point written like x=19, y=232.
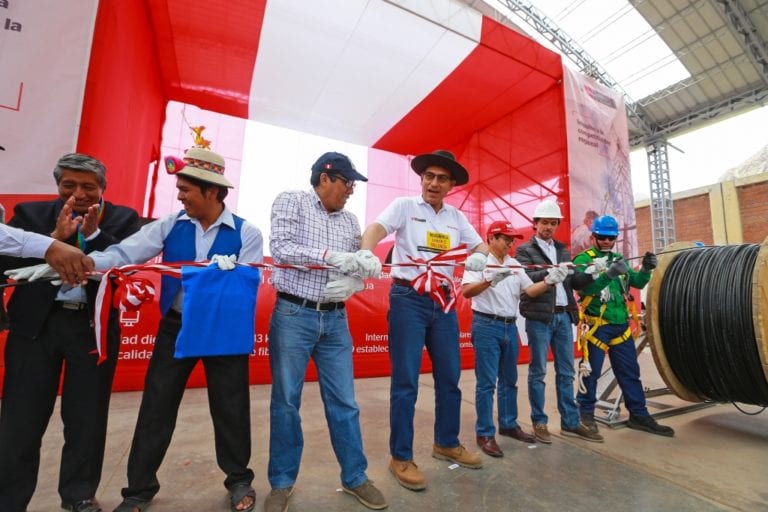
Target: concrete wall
x=731, y=212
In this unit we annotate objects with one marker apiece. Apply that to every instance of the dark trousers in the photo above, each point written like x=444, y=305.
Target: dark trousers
x=625, y=368
x=33, y=370
x=228, y=401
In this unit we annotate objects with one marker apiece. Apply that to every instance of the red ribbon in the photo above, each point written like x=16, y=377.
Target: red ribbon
x=129, y=294
x=440, y=287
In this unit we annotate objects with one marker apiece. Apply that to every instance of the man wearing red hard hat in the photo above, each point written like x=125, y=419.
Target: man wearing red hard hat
x=495, y=294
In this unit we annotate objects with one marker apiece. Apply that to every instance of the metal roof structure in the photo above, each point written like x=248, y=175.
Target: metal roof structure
x=723, y=47
x=723, y=44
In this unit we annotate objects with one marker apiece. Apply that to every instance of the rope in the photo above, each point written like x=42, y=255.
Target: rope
x=705, y=320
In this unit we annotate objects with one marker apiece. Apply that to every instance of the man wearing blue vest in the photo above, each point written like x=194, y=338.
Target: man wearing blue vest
x=204, y=230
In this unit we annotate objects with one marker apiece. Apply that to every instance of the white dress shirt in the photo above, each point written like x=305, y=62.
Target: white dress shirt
x=551, y=251
x=423, y=233
x=148, y=243
x=23, y=244
x=504, y=298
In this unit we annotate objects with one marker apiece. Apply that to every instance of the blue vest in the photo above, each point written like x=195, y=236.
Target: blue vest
x=179, y=245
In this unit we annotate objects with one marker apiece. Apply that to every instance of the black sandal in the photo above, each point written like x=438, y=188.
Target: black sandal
x=238, y=493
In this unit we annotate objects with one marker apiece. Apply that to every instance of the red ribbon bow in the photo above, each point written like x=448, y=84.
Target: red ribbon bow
x=130, y=293
x=440, y=287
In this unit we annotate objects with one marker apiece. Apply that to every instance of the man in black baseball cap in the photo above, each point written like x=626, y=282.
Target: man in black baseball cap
x=312, y=227
x=338, y=164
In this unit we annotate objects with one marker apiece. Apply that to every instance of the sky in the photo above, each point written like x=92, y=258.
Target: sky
x=707, y=152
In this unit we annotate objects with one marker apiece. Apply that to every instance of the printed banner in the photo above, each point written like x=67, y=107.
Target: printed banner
x=598, y=161
x=42, y=79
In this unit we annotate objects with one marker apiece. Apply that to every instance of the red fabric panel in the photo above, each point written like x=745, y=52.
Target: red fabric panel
x=491, y=82
x=9, y=201
x=501, y=112
x=207, y=51
x=124, y=105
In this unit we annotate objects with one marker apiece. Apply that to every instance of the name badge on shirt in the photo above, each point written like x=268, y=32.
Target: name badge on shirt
x=438, y=241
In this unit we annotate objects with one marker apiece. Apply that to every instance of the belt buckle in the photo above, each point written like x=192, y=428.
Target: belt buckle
x=74, y=306
x=319, y=306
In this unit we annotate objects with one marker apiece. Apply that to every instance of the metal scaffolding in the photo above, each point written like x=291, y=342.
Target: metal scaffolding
x=662, y=212
x=662, y=206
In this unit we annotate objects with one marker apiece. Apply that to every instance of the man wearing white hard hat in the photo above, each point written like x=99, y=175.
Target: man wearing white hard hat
x=204, y=230
x=549, y=320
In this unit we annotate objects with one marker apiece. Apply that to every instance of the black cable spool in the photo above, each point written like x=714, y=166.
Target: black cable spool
x=707, y=322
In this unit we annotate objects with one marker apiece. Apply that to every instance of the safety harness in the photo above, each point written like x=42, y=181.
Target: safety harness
x=588, y=324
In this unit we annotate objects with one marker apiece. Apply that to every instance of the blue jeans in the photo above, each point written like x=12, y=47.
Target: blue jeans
x=557, y=334
x=297, y=333
x=625, y=368
x=416, y=321
x=496, y=353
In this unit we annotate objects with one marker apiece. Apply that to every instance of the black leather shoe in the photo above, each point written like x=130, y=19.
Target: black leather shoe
x=648, y=424
x=518, y=433
x=588, y=419
x=489, y=446
x=82, y=506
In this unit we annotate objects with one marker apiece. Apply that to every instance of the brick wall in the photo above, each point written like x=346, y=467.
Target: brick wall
x=753, y=202
x=693, y=219
x=644, y=232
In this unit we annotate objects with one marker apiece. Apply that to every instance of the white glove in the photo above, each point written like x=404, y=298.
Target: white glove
x=346, y=262
x=598, y=265
x=496, y=275
x=223, y=261
x=557, y=274
x=476, y=261
x=341, y=287
x=33, y=273
x=369, y=264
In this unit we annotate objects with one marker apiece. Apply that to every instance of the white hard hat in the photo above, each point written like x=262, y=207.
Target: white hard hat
x=547, y=210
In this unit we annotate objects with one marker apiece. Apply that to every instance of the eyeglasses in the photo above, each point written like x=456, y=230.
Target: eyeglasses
x=602, y=238
x=441, y=178
x=347, y=182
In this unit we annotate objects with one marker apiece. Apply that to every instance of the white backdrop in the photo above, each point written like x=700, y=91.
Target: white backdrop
x=43, y=67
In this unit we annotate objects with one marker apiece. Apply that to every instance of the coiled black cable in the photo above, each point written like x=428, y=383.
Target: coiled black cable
x=705, y=321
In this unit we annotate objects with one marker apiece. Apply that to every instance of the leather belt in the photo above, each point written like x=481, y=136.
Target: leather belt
x=401, y=282
x=72, y=306
x=561, y=309
x=317, y=306
x=505, y=319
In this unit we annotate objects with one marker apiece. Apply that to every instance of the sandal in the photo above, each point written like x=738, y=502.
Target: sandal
x=131, y=504
x=238, y=493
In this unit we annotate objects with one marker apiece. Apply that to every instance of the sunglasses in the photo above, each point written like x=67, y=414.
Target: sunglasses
x=347, y=182
x=603, y=238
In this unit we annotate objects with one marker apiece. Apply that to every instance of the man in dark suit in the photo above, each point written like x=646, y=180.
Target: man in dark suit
x=51, y=325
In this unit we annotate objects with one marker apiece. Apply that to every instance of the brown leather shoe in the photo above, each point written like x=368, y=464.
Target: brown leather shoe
x=518, y=433
x=541, y=433
x=407, y=474
x=458, y=455
x=489, y=446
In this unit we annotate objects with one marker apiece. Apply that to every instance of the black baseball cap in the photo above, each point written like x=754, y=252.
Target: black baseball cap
x=336, y=163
